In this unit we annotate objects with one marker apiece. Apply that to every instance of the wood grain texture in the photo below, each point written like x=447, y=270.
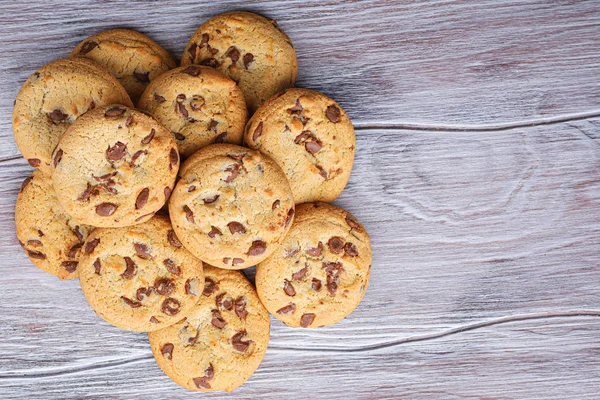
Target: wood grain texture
x=476, y=174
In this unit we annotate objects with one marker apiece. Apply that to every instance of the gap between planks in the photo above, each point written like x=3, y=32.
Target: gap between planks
x=27, y=375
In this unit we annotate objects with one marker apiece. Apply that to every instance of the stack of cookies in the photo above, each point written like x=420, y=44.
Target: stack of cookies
x=156, y=208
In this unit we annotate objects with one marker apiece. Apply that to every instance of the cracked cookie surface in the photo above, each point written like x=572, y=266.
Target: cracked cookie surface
x=53, y=98
x=50, y=237
x=232, y=206
x=198, y=105
x=321, y=271
x=311, y=138
x=222, y=340
x=124, y=177
x=140, y=278
x=132, y=57
x=249, y=49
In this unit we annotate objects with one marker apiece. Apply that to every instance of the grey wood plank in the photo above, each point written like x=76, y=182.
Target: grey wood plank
x=438, y=63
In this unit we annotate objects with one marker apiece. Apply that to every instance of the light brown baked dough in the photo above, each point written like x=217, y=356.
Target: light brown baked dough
x=132, y=57
x=222, y=340
x=53, y=98
x=249, y=49
x=140, y=278
x=321, y=271
x=198, y=105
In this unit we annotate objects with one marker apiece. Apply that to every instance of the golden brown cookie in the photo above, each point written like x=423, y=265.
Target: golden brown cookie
x=222, y=340
x=51, y=239
x=232, y=206
x=198, y=105
x=140, y=278
x=53, y=98
x=249, y=49
x=114, y=167
x=321, y=271
x=132, y=57
x=311, y=138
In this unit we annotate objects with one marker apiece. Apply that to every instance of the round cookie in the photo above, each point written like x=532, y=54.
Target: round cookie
x=53, y=98
x=132, y=57
x=51, y=239
x=114, y=167
x=311, y=138
x=321, y=271
x=232, y=206
x=140, y=278
x=222, y=340
x=249, y=49
x=198, y=105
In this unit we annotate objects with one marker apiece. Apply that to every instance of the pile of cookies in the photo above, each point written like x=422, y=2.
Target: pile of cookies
x=156, y=208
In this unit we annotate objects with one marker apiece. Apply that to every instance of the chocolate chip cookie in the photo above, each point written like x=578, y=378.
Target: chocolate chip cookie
x=51, y=239
x=249, y=49
x=222, y=340
x=232, y=206
x=140, y=278
x=199, y=105
x=320, y=272
x=114, y=167
x=53, y=98
x=311, y=138
x=132, y=57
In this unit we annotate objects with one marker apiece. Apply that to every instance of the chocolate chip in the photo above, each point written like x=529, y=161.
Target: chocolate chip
x=234, y=169
x=116, y=152
x=226, y=260
x=35, y=243
x=106, y=209
x=171, y=266
x=210, y=287
x=202, y=382
x=78, y=234
x=180, y=98
x=209, y=371
x=105, y=177
x=236, y=227
x=331, y=285
x=58, y=157
x=69, y=266
x=214, y=231
x=88, y=46
x=258, y=247
x=154, y=320
x=173, y=239
x=316, y=284
x=170, y=306
x=188, y=288
x=167, y=350
x=38, y=255
x=204, y=40
x=197, y=102
x=352, y=222
x=142, y=198
x=97, y=266
x=40, y=233
x=212, y=125
x=129, y=120
x=248, y=58
x=130, y=268
x=34, y=162
x=350, y=249
x=302, y=137
x=191, y=188
x=137, y=155
x=192, y=70
x=275, y=205
x=217, y=319
x=182, y=109
x=189, y=215
x=300, y=274
x=148, y=138
x=289, y=217
x=322, y=172
x=333, y=114
x=288, y=288
x=333, y=268
x=290, y=308
x=212, y=199
x=158, y=98
x=306, y=320
x=237, y=261
x=239, y=344
x=91, y=245
x=72, y=253
x=57, y=116
x=315, y=251
x=115, y=111
x=257, y=131
x=240, y=307
x=297, y=108
x=233, y=53
x=192, y=51
x=141, y=250
x=336, y=244
x=25, y=183
x=313, y=146
x=164, y=286
x=224, y=302
x=292, y=252
x=210, y=62
x=167, y=193
x=131, y=303
x=173, y=158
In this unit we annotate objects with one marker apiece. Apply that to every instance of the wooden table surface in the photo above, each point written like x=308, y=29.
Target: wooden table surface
x=476, y=174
